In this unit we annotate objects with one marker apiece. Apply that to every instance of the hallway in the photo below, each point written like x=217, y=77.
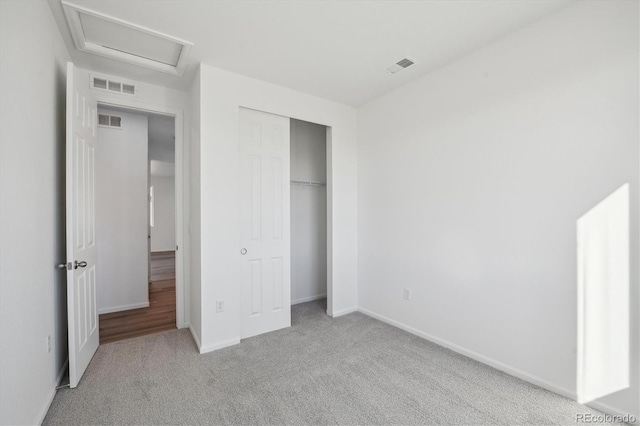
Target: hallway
x=161, y=313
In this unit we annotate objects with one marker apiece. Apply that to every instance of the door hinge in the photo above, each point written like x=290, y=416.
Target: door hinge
x=176, y=248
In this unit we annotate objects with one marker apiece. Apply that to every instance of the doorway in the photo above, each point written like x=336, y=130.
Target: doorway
x=135, y=222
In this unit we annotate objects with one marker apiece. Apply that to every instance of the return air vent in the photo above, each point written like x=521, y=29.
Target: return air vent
x=105, y=120
x=400, y=65
x=112, y=86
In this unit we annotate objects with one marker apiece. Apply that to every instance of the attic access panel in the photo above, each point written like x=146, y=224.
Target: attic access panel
x=114, y=38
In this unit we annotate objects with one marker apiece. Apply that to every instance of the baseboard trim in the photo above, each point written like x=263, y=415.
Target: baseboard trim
x=516, y=372
x=123, y=308
x=608, y=409
x=195, y=338
x=219, y=345
x=344, y=312
x=52, y=394
x=308, y=299
x=45, y=408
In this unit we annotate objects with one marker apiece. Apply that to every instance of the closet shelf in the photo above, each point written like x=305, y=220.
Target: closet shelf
x=307, y=183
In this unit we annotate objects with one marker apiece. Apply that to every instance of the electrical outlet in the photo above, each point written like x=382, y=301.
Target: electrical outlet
x=407, y=294
x=219, y=306
x=49, y=344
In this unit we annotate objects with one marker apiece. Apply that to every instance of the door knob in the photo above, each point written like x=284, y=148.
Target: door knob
x=243, y=251
x=77, y=264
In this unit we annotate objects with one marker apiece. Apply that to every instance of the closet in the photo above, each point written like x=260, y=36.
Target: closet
x=308, y=211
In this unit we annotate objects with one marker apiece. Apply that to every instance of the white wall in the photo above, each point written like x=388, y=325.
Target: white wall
x=308, y=212
x=194, y=227
x=32, y=222
x=122, y=271
x=222, y=94
x=163, y=233
x=471, y=180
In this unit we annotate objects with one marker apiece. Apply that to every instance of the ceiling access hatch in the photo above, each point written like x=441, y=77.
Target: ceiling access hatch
x=114, y=38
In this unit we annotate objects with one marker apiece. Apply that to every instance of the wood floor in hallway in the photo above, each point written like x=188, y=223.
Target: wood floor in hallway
x=161, y=313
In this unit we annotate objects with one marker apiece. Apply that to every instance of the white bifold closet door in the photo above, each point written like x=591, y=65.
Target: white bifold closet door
x=265, y=246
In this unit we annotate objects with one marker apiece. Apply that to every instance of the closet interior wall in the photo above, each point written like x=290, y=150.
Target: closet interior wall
x=308, y=211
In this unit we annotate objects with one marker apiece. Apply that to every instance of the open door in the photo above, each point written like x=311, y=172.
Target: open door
x=264, y=223
x=81, y=225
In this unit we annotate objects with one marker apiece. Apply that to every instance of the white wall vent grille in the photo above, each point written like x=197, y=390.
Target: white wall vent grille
x=400, y=65
x=105, y=120
x=112, y=86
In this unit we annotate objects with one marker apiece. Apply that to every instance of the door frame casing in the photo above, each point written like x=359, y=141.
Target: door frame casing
x=107, y=100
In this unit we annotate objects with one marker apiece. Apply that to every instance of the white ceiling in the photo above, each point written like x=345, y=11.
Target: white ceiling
x=333, y=49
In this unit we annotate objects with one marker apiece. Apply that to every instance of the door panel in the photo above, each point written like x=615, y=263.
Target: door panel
x=265, y=228
x=81, y=233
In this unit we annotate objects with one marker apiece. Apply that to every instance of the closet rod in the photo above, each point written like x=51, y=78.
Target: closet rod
x=307, y=183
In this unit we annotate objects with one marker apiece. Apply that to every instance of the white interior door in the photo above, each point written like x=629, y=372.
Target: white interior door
x=81, y=225
x=265, y=246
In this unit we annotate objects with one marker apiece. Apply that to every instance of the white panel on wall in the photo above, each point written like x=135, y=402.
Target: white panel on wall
x=603, y=298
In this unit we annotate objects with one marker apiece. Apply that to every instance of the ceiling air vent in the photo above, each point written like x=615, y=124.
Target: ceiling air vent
x=112, y=85
x=105, y=120
x=400, y=65
x=114, y=38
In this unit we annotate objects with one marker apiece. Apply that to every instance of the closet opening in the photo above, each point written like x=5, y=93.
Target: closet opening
x=308, y=175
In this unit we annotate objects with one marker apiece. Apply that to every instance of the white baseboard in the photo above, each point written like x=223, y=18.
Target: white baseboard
x=516, y=372
x=344, y=311
x=123, y=308
x=608, y=409
x=195, y=338
x=219, y=345
x=308, y=299
x=52, y=394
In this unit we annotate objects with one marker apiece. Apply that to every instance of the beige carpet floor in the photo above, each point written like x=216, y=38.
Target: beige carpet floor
x=351, y=370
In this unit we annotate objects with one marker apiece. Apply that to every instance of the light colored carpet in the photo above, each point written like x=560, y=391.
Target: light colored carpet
x=348, y=370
